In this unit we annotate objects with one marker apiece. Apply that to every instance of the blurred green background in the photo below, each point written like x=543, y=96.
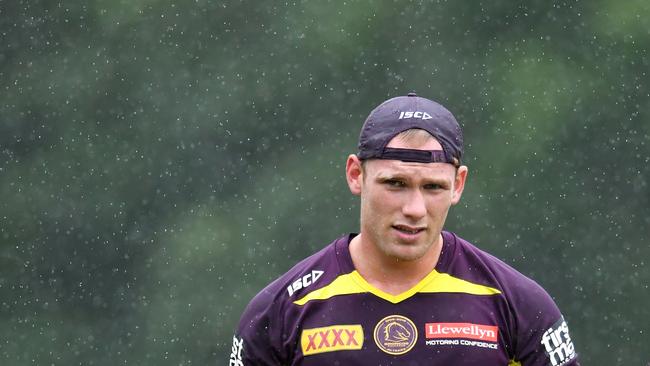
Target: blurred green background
x=162, y=161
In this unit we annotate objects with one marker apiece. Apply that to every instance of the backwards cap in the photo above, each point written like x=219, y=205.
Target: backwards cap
x=399, y=114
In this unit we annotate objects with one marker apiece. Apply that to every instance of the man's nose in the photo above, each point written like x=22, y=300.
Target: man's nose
x=414, y=206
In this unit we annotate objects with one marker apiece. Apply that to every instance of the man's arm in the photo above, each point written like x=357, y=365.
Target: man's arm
x=542, y=332
x=258, y=339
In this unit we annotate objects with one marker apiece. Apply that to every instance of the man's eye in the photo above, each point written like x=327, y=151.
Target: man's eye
x=433, y=186
x=394, y=183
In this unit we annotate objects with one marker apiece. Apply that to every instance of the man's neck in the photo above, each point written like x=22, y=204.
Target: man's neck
x=389, y=274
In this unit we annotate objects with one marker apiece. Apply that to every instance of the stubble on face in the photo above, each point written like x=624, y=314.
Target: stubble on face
x=404, y=206
x=394, y=231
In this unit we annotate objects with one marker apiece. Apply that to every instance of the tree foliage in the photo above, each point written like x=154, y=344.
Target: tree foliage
x=162, y=161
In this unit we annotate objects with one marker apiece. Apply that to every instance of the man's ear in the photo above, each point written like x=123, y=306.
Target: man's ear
x=459, y=184
x=354, y=174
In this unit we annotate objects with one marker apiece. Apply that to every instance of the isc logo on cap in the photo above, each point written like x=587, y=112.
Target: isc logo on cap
x=418, y=114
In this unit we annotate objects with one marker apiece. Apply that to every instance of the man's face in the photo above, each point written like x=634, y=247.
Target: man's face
x=404, y=205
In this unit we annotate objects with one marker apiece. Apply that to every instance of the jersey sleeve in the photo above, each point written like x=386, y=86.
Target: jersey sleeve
x=258, y=339
x=542, y=334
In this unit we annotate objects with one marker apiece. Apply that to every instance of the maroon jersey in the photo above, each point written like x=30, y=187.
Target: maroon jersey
x=472, y=309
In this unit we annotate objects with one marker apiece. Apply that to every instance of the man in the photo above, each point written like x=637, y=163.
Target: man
x=403, y=291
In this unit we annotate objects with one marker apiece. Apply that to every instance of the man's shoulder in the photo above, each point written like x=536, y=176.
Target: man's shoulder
x=484, y=267
x=310, y=273
x=535, y=316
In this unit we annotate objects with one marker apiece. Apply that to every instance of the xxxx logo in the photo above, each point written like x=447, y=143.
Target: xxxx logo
x=333, y=338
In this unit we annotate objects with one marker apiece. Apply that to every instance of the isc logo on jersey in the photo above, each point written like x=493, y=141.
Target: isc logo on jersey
x=417, y=114
x=304, y=281
x=558, y=344
x=332, y=338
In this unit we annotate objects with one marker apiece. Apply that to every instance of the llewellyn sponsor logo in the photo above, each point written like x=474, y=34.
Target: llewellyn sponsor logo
x=333, y=338
x=486, y=333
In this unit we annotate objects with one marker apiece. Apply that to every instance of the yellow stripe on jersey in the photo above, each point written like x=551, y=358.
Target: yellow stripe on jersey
x=434, y=282
x=342, y=285
x=442, y=282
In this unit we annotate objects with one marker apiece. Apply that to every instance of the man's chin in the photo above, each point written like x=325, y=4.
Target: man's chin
x=407, y=254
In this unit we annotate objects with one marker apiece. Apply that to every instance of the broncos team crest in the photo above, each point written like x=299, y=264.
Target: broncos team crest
x=395, y=334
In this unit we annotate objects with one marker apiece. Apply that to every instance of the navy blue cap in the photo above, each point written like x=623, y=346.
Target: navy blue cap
x=403, y=113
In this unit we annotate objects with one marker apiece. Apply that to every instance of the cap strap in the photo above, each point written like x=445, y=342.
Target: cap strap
x=415, y=156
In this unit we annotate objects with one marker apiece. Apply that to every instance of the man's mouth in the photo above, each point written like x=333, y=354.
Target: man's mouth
x=411, y=230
